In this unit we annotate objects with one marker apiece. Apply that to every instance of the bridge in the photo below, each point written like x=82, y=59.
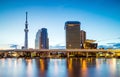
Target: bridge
x=58, y=53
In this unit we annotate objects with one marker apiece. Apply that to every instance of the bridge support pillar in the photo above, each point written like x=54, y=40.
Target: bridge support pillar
x=97, y=55
x=68, y=54
x=49, y=54
x=5, y=54
x=116, y=55
x=105, y=55
x=21, y=54
x=87, y=55
x=33, y=54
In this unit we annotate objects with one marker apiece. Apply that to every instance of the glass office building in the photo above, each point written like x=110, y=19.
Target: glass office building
x=42, y=41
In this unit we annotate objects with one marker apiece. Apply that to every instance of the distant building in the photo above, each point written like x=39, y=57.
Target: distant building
x=82, y=37
x=42, y=41
x=89, y=44
x=22, y=47
x=37, y=40
x=72, y=29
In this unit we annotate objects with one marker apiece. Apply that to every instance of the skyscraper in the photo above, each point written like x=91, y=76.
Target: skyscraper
x=72, y=34
x=26, y=33
x=82, y=37
x=37, y=40
x=42, y=41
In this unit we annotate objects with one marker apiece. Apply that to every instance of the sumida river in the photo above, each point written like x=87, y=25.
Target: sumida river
x=67, y=67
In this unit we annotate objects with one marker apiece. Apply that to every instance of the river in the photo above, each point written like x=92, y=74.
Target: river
x=65, y=67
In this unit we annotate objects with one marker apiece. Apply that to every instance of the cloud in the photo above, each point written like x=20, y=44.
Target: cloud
x=105, y=46
x=116, y=45
x=110, y=45
x=58, y=46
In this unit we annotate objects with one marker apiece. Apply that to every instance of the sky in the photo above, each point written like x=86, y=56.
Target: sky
x=99, y=18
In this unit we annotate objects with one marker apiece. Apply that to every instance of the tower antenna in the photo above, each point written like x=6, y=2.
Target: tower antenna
x=26, y=32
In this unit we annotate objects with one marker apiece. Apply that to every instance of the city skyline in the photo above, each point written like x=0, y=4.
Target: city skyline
x=100, y=20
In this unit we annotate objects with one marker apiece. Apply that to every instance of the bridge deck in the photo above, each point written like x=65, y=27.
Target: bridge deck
x=59, y=50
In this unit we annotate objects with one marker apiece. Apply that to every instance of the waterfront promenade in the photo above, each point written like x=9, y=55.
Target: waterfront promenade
x=58, y=53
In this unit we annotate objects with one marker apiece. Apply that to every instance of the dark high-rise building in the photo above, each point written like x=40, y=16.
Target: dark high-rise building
x=72, y=34
x=26, y=33
x=82, y=37
x=42, y=41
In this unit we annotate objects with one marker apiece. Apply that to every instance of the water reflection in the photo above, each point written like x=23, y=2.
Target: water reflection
x=69, y=67
x=29, y=68
x=57, y=68
x=42, y=67
x=107, y=67
x=84, y=68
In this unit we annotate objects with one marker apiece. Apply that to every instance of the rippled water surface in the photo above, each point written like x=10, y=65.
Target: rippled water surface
x=69, y=67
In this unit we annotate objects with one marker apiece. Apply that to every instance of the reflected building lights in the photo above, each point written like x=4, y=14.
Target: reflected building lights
x=84, y=68
x=56, y=67
x=9, y=62
x=42, y=65
x=15, y=63
x=112, y=65
x=19, y=60
x=28, y=61
x=97, y=64
x=70, y=65
x=84, y=65
x=80, y=61
x=15, y=68
x=2, y=62
x=29, y=68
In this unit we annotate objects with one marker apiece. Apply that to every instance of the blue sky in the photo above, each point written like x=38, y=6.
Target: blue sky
x=99, y=18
